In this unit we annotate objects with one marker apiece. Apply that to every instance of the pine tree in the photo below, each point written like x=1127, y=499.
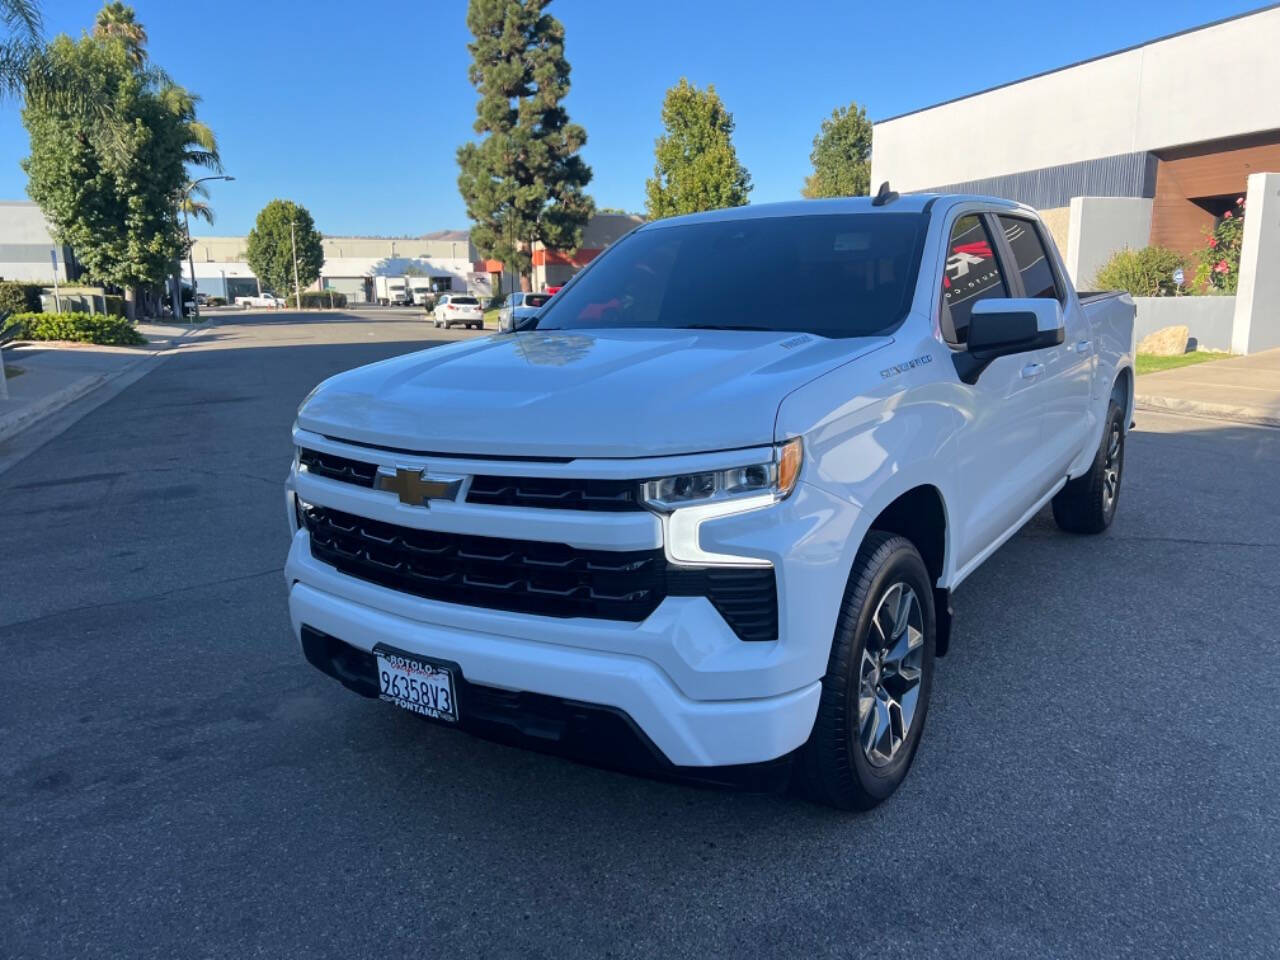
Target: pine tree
x=841, y=155
x=523, y=181
x=696, y=167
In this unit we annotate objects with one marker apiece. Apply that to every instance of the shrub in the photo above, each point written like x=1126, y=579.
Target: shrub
x=318, y=299
x=1143, y=273
x=19, y=297
x=1218, y=261
x=216, y=302
x=80, y=327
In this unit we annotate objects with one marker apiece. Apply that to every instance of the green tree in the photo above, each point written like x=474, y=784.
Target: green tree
x=696, y=167
x=270, y=251
x=841, y=155
x=524, y=180
x=19, y=43
x=118, y=21
x=113, y=191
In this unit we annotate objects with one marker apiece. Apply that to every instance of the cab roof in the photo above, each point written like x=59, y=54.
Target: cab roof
x=906, y=203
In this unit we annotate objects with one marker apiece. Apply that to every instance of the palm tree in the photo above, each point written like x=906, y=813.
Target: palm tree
x=119, y=21
x=19, y=43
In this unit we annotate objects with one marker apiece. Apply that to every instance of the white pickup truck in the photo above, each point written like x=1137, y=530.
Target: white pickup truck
x=673, y=524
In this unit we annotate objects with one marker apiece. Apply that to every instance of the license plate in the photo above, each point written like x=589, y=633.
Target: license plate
x=416, y=685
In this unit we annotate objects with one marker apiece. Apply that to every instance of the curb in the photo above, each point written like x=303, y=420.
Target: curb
x=1214, y=411
x=15, y=423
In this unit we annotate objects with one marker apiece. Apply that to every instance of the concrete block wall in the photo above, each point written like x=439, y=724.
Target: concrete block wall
x=1098, y=228
x=1208, y=320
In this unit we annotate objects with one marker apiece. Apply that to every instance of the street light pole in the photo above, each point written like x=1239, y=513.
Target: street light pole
x=297, y=288
x=191, y=259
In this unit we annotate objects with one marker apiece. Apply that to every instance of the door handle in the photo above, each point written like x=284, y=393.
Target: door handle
x=1032, y=370
x=1082, y=346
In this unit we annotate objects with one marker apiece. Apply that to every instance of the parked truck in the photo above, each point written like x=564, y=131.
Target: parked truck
x=671, y=524
x=421, y=291
x=391, y=291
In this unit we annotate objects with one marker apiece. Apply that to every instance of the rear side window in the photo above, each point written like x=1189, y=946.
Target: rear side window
x=972, y=273
x=1031, y=257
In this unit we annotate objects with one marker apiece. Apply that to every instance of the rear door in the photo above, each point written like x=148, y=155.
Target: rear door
x=1068, y=368
x=998, y=452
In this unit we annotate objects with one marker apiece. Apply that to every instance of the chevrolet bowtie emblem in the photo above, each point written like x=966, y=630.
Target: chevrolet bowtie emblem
x=414, y=487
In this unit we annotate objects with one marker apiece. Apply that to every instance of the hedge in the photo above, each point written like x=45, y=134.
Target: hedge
x=80, y=327
x=18, y=297
x=318, y=299
x=1143, y=273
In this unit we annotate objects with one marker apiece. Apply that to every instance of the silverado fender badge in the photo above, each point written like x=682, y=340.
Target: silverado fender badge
x=911, y=364
x=415, y=488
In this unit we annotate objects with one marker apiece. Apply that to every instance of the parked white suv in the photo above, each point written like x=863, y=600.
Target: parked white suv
x=676, y=528
x=460, y=309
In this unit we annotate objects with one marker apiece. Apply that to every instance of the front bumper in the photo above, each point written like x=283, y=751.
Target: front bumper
x=687, y=732
x=698, y=693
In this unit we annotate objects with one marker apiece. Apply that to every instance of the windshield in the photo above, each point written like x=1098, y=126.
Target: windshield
x=464, y=301
x=840, y=275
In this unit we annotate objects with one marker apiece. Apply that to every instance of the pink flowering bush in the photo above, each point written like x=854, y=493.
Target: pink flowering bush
x=1218, y=261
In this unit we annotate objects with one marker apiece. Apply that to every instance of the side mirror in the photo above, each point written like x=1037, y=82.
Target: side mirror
x=999, y=326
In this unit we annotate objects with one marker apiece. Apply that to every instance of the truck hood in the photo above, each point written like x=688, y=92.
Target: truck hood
x=579, y=393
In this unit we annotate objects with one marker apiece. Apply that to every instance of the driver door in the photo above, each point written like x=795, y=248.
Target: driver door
x=996, y=452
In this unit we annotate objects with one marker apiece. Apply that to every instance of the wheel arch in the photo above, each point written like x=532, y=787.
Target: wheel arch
x=920, y=515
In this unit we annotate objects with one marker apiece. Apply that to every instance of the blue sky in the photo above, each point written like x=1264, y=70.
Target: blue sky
x=355, y=110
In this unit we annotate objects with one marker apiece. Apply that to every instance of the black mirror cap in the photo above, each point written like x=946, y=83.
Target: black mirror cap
x=993, y=335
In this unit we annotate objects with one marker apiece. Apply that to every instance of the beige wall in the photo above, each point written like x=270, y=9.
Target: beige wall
x=215, y=249
x=1058, y=221
x=1170, y=92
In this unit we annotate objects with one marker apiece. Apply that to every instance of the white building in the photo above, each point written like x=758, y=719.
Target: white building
x=1152, y=144
x=350, y=263
x=27, y=249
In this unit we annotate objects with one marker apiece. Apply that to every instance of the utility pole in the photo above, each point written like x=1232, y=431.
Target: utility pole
x=297, y=289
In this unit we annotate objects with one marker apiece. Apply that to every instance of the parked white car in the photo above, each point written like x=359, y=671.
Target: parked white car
x=260, y=300
x=519, y=306
x=676, y=527
x=458, y=309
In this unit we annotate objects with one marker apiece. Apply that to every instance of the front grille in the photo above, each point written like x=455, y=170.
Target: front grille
x=334, y=467
x=556, y=492
x=522, y=575
x=551, y=579
x=566, y=493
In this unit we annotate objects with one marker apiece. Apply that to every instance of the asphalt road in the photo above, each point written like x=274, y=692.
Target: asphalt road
x=1099, y=776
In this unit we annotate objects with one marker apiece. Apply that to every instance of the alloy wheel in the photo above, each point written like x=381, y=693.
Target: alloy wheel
x=1111, y=469
x=889, y=675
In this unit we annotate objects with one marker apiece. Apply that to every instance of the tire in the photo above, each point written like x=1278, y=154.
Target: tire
x=1087, y=504
x=862, y=747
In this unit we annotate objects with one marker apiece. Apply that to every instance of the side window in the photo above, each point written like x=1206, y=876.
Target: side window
x=972, y=273
x=1029, y=254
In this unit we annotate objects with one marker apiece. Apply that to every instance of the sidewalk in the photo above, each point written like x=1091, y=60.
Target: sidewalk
x=1245, y=389
x=57, y=374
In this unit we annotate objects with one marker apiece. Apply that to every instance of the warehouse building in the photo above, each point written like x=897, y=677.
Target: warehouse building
x=1148, y=145
x=350, y=263
x=28, y=252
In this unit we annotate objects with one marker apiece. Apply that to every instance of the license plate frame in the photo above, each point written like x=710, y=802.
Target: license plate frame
x=434, y=679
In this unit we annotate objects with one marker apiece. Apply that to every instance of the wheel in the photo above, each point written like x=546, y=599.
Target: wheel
x=875, y=694
x=1087, y=504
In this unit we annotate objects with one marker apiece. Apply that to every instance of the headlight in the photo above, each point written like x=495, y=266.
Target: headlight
x=776, y=478
x=685, y=502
